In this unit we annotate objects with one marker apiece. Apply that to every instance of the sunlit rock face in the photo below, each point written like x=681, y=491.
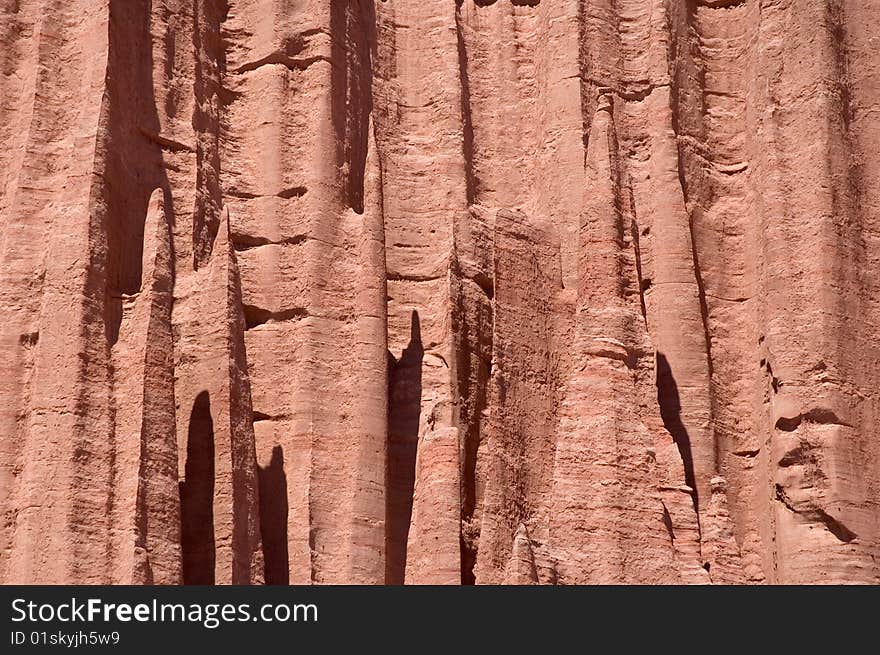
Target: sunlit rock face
x=485, y=291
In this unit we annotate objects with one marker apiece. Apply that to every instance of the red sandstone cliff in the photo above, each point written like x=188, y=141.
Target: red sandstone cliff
x=493, y=291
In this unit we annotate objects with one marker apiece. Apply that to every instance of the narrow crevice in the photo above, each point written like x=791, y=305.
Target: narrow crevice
x=405, y=277
x=242, y=195
x=262, y=416
x=644, y=282
x=720, y=4
x=242, y=242
x=279, y=58
x=638, y=93
x=292, y=192
x=466, y=120
x=255, y=316
x=800, y=455
x=701, y=289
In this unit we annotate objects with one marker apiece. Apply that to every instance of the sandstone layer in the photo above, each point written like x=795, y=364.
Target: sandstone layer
x=449, y=292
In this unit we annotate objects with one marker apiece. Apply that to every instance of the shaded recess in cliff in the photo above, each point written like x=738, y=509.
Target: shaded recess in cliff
x=133, y=160
x=352, y=51
x=141, y=273
x=197, y=496
x=273, y=519
x=209, y=50
x=405, y=406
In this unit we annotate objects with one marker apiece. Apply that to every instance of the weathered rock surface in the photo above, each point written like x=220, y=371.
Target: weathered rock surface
x=474, y=291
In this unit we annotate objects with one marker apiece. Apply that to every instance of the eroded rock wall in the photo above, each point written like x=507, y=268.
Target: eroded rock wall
x=474, y=291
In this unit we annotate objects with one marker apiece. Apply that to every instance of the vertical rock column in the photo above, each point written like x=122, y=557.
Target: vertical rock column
x=140, y=216
x=267, y=186
x=860, y=23
x=418, y=104
x=56, y=496
x=304, y=189
x=524, y=152
x=613, y=456
x=370, y=422
x=220, y=541
x=670, y=281
x=147, y=510
x=713, y=61
x=218, y=489
x=31, y=170
x=818, y=416
x=522, y=397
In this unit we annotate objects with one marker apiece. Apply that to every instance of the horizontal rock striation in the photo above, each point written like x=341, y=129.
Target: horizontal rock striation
x=472, y=292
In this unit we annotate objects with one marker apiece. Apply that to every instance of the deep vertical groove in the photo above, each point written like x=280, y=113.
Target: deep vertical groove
x=466, y=125
x=208, y=71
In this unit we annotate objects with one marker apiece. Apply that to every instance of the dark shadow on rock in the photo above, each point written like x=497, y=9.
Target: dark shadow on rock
x=351, y=96
x=670, y=412
x=405, y=400
x=210, y=51
x=273, y=519
x=197, y=496
x=133, y=165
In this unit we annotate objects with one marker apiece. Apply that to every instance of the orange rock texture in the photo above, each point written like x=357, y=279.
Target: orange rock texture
x=439, y=292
